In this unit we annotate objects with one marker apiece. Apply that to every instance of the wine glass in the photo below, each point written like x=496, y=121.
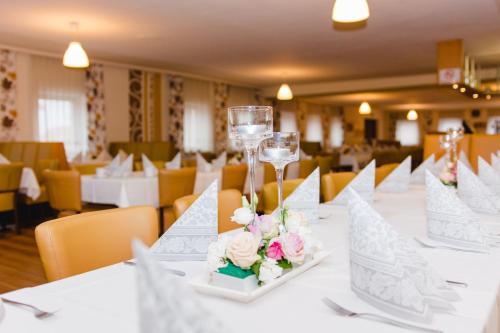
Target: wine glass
x=279, y=150
x=250, y=125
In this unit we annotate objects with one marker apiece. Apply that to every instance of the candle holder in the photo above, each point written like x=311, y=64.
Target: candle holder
x=449, y=143
x=279, y=150
x=250, y=125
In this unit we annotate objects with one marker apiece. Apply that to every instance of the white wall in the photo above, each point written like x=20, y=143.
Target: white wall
x=116, y=103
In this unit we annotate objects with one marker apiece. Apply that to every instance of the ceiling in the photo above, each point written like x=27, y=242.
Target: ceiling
x=422, y=98
x=256, y=42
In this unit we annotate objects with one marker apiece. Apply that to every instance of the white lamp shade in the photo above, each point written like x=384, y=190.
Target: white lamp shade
x=285, y=93
x=412, y=115
x=75, y=56
x=365, y=108
x=348, y=11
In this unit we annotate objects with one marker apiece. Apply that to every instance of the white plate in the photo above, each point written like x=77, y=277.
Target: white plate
x=202, y=285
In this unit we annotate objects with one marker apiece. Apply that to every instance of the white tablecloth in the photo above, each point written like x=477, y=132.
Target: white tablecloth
x=29, y=184
x=123, y=192
x=105, y=300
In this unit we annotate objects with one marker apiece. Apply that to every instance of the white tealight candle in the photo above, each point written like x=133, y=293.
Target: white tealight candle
x=277, y=153
x=251, y=129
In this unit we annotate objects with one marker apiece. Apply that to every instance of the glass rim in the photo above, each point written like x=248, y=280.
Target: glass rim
x=251, y=107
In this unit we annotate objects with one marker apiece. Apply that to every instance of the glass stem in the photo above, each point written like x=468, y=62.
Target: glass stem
x=251, y=152
x=279, y=178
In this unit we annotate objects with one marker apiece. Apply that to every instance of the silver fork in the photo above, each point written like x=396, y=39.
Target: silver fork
x=38, y=313
x=347, y=313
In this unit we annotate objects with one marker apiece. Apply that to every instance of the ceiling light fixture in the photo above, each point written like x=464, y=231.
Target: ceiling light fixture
x=284, y=93
x=75, y=56
x=455, y=86
x=412, y=115
x=349, y=11
x=462, y=90
x=488, y=97
x=475, y=96
x=365, y=108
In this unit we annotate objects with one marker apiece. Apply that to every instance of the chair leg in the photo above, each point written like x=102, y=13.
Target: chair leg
x=161, y=221
x=17, y=220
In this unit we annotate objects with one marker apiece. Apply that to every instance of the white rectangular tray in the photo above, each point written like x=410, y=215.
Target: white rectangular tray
x=202, y=285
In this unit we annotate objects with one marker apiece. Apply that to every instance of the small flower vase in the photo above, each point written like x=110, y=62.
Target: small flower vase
x=236, y=278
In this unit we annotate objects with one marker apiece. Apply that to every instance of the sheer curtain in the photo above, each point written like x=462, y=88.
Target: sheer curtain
x=288, y=121
x=198, y=116
x=59, y=101
x=314, y=131
x=407, y=132
x=336, y=132
x=447, y=123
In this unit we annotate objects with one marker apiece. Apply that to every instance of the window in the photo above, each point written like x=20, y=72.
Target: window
x=493, y=126
x=60, y=104
x=447, y=123
x=288, y=122
x=198, y=116
x=407, y=132
x=314, y=130
x=336, y=132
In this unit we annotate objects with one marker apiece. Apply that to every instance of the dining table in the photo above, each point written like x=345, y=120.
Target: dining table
x=106, y=299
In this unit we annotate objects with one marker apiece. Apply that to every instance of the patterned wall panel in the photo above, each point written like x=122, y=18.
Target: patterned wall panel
x=301, y=116
x=96, y=113
x=326, y=119
x=8, y=111
x=221, y=95
x=135, y=105
x=176, y=111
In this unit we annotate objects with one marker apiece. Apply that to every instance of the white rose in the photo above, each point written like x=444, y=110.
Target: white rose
x=217, y=254
x=242, y=249
x=296, y=220
x=268, y=226
x=269, y=270
x=242, y=216
x=311, y=244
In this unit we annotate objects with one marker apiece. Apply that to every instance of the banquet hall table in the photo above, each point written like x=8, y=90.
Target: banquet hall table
x=105, y=300
x=29, y=184
x=133, y=190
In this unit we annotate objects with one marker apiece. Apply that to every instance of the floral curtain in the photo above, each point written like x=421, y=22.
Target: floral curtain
x=135, y=105
x=8, y=111
x=326, y=118
x=301, y=115
x=176, y=111
x=96, y=115
x=221, y=95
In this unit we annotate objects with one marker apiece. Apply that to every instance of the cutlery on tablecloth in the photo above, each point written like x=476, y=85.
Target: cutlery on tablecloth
x=347, y=313
x=169, y=270
x=443, y=246
x=37, y=312
x=457, y=283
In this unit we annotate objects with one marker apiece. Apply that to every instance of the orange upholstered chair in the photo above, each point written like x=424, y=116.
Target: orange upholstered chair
x=270, y=193
x=332, y=183
x=234, y=177
x=483, y=145
x=383, y=171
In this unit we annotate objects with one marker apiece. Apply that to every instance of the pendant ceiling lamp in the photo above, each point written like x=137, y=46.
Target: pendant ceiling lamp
x=284, y=93
x=412, y=115
x=365, y=108
x=349, y=11
x=75, y=56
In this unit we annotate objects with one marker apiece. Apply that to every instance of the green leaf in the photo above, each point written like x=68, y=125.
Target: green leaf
x=244, y=202
x=256, y=268
x=285, y=264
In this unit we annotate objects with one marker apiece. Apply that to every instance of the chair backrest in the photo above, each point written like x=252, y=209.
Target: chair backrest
x=158, y=165
x=63, y=189
x=45, y=164
x=84, y=242
x=270, y=173
x=306, y=167
x=325, y=164
x=88, y=168
x=383, y=171
x=332, y=183
x=234, y=177
x=228, y=201
x=10, y=176
x=270, y=193
x=174, y=184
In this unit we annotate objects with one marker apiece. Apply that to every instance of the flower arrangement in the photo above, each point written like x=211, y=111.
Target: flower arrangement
x=448, y=175
x=267, y=247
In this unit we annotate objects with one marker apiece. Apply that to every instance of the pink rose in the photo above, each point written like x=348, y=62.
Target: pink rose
x=274, y=251
x=293, y=248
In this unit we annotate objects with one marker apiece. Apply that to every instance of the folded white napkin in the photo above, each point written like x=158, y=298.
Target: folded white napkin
x=149, y=168
x=305, y=198
x=111, y=167
x=4, y=160
x=363, y=184
x=449, y=220
x=474, y=193
x=220, y=161
x=387, y=271
x=125, y=168
x=488, y=176
x=122, y=155
x=418, y=175
x=304, y=156
x=166, y=302
x=103, y=156
x=464, y=159
x=202, y=165
x=188, y=238
x=495, y=162
x=439, y=166
x=175, y=163
x=399, y=179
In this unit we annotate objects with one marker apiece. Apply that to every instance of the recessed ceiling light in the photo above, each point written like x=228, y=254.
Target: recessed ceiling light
x=412, y=115
x=475, y=96
x=462, y=90
x=488, y=97
x=284, y=93
x=365, y=108
x=455, y=86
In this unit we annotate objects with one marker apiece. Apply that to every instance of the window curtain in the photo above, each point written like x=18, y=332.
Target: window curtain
x=60, y=104
x=408, y=132
x=288, y=121
x=301, y=115
x=8, y=112
x=314, y=131
x=144, y=106
x=176, y=110
x=447, y=123
x=96, y=115
x=221, y=98
x=326, y=118
x=198, y=116
x=336, y=132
